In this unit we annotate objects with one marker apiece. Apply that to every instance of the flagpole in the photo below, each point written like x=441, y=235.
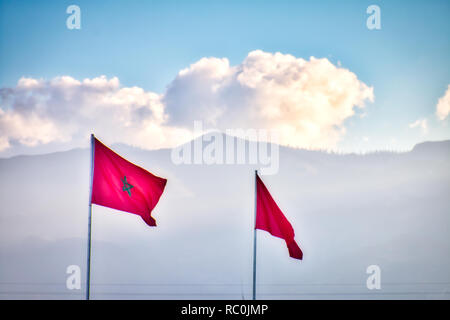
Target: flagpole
x=88, y=272
x=254, y=244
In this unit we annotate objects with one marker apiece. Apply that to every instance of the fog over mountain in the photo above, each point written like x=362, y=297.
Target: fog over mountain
x=348, y=211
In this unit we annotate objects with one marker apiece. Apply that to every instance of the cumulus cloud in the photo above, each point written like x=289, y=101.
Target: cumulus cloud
x=67, y=110
x=443, y=106
x=306, y=101
x=420, y=123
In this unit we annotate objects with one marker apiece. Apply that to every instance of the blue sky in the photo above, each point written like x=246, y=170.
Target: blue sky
x=146, y=43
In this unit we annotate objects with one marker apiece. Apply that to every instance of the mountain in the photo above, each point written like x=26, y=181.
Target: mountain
x=348, y=211
x=435, y=147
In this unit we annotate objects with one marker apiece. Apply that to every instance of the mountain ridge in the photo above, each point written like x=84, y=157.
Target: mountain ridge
x=441, y=146
x=348, y=212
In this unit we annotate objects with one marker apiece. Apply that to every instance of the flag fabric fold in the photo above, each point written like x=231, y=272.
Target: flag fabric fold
x=270, y=218
x=122, y=185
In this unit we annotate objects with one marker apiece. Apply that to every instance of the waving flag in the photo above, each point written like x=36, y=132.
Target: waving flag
x=270, y=218
x=122, y=185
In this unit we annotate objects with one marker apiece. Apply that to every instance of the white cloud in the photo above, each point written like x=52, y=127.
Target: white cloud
x=443, y=106
x=67, y=110
x=306, y=100
x=420, y=123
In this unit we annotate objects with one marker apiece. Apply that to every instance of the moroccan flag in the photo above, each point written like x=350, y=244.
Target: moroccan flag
x=270, y=218
x=122, y=185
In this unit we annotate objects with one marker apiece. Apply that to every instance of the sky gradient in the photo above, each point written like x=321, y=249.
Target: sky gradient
x=146, y=44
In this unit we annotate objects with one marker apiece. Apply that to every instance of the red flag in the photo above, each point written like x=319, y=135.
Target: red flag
x=122, y=185
x=270, y=218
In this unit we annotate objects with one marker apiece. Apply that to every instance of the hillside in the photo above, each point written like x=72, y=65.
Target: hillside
x=348, y=212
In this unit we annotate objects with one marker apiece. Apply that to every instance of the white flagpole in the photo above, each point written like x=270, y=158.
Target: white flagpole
x=254, y=244
x=88, y=272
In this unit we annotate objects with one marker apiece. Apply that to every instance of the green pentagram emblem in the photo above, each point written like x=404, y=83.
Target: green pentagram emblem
x=126, y=186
